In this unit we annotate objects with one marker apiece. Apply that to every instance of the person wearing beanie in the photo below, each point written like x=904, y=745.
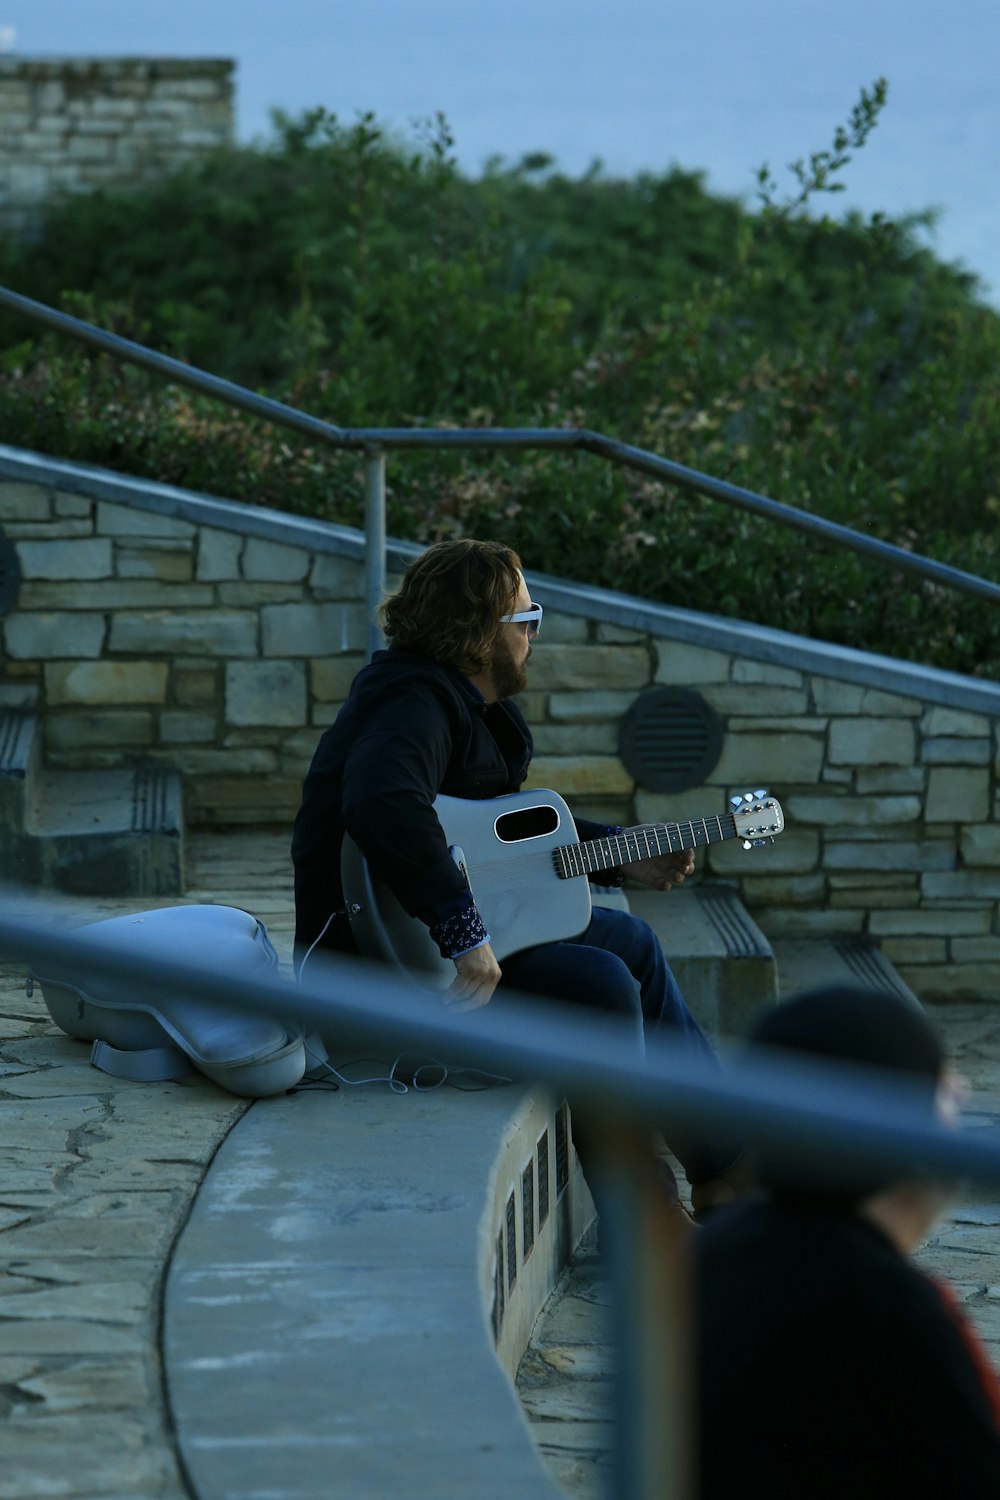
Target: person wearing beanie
x=829, y=1366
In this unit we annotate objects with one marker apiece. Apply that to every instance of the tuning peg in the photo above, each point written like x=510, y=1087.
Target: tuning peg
x=761, y=793
x=736, y=802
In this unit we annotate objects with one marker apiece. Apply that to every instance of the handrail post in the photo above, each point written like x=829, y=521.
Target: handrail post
x=652, y=1328
x=375, y=540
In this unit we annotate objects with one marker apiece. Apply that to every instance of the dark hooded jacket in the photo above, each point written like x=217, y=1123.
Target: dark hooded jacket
x=411, y=728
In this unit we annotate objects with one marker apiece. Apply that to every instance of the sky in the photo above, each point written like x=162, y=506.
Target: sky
x=722, y=86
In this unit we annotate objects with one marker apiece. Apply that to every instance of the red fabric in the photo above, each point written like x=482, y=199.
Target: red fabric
x=988, y=1378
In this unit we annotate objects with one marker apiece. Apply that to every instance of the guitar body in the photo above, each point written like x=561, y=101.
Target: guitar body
x=527, y=872
x=505, y=845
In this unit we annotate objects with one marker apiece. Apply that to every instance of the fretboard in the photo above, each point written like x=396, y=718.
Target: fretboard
x=644, y=842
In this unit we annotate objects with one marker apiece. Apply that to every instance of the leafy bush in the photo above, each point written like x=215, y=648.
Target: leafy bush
x=834, y=365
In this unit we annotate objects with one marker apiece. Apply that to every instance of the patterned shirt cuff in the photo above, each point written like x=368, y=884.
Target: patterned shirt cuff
x=460, y=933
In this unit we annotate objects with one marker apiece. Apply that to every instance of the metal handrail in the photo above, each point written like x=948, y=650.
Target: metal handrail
x=819, y=1111
x=373, y=440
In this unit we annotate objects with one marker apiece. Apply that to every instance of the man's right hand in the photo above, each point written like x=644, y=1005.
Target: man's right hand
x=477, y=976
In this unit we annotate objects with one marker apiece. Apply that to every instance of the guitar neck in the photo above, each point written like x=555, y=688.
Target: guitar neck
x=644, y=842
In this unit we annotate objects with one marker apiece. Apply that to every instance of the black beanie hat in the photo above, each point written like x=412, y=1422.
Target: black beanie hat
x=869, y=1027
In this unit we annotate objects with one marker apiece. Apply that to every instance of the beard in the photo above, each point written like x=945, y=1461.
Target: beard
x=508, y=677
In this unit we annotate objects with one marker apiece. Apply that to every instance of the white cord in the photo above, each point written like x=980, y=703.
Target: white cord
x=319, y=937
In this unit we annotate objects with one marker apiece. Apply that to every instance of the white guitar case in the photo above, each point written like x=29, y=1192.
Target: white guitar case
x=147, y=1033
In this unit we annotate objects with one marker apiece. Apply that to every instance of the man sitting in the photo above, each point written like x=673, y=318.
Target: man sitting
x=435, y=714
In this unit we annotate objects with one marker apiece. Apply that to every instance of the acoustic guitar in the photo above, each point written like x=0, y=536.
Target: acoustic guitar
x=527, y=871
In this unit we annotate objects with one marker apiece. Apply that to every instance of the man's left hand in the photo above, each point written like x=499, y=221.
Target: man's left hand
x=663, y=872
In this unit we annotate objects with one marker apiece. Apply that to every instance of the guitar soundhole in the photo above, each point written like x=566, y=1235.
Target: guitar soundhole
x=526, y=823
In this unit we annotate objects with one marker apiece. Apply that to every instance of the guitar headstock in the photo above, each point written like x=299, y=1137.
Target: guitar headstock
x=758, y=818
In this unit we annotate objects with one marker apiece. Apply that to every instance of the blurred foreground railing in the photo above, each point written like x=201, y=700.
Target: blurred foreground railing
x=374, y=441
x=814, y=1111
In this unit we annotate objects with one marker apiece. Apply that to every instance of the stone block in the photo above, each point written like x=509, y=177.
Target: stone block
x=756, y=700
x=794, y=724
x=212, y=800
x=976, y=949
x=47, y=531
x=806, y=921
x=576, y=739
x=18, y=694
x=93, y=683
x=606, y=632
x=177, y=632
x=980, y=844
x=678, y=807
x=833, y=697
x=877, y=898
x=682, y=665
x=253, y=760
x=878, y=782
x=574, y=775
x=129, y=729
x=889, y=854
x=560, y=667
x=954, y=723
x=770, y=760
x=957, y=795
x=312, y=629
x=195, y=685
x=72, y=507
x=586, y=707
x=915, y=950
x=31, y=635
x=871, y=742
x=266, y=692
x=794, y=852
x=180, y=728
x=837, y=775
x=23, y=502
x=117, y=594
x=273, y=562
x=254, y=595
x=330, y=677
x=88, y=558
x=952, y=981
x=886, y=705
x=973, y=886
x=930, y=922
x=786, y=890
x=956, y=752
x=872, y=812
x=219, y=554
x=745, y=670
x=154, y=559
x=128, y=520
x=335, y=577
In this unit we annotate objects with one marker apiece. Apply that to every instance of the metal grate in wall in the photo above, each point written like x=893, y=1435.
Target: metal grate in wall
x=562, y=1148
x=511, y=1243
x=670, y=739
x=527, y=1210
x=542, y=1155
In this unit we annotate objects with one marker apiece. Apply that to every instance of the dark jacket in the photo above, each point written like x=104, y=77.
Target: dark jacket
x=831, y=1367
x=410, y=729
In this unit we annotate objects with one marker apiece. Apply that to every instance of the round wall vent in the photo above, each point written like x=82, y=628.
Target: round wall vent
x=10, y=575
x=670, y=739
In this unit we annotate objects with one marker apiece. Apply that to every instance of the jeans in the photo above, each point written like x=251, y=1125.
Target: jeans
x=618, y=965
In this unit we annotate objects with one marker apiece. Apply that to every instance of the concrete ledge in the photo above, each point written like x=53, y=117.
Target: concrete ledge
x=332, y=1314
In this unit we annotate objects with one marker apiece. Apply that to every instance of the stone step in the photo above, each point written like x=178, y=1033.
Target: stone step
x=104, y=833
x=20, y=759
x=849, y=958
x=722, y=961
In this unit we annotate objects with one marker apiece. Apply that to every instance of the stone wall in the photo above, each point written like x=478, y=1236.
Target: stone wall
x=221, y=639
x=78, y=124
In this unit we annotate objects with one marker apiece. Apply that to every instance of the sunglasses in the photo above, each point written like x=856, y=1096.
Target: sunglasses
x=531, y=617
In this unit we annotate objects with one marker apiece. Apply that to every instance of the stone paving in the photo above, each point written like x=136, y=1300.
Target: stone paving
x=565, y=1380
x=97, y=1176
